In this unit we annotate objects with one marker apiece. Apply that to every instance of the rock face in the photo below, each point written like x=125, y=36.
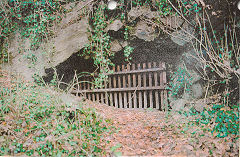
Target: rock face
x=71, y=34
x=145, y=32
x=181, y=37
x=200, y=105
x=171, y=21
x=192, y=66
x=161, y=49
x=116, y=46
x=25, y=61
x=178, y=105
x=181, y=30
x=197, y=90
x=68, y=41
x=115, y=26
x=136, y=12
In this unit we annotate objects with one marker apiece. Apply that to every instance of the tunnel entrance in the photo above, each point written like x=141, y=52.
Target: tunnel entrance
x=130, y=86
x=162, y=49
x=66, y=70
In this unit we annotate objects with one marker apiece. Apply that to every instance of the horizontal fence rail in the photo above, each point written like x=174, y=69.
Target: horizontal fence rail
x=130, y=86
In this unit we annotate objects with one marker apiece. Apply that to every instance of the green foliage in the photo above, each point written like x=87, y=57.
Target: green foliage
x=189, y=7
x=126, y=34
x=220, y=120
x=127, y=51
x=114, y=148
x=137, y=2
x=224, y=120
x=4, y=52
x=31, y=18
x=181, y=82
x=35, y=121
x=164, y=8
x=99, y=44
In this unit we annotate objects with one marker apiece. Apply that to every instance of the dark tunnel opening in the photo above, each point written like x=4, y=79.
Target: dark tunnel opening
x=66, y=70
x=162, y=49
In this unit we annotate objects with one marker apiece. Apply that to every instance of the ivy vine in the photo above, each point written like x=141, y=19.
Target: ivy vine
x=32, y=19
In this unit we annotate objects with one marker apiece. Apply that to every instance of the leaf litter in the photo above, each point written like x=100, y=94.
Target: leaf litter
x=138, y=132
x=149, y=132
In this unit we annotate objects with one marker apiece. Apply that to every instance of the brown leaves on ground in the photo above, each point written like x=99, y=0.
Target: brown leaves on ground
x=149, y=133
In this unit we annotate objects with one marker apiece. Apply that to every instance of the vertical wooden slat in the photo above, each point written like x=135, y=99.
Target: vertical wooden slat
x=93, y=94
x=150, y=85
x=106, y=94
x=124, y=86
x=110, y=94
x=140, y=85
x=100, y=95
x=82, y=86
x=129, y=85
x=161, y=84
x=79, y=89
x=119, y=86
x=164, y=83
x=144, y=85
x=88, y=88
x=93, y=97
x=89, y=96
x=134, y=85
x=115, y=86
x=156, y=84
x=97, y=97
x=85, y=87
x=102, y=98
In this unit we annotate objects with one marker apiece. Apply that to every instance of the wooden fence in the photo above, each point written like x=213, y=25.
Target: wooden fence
x=131, y=86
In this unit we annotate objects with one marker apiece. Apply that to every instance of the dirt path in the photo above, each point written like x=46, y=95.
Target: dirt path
x=149, y=133
x=143, y=133
x=138, y=131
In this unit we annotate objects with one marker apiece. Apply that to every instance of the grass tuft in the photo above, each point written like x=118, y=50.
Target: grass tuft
x=35, y=121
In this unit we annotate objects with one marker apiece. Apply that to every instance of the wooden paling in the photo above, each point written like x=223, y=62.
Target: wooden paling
x=134, y=85
x=144, y=85
x=161, y=84
x=139, y=85
x=156, y=84
x=111, y=94
x=119, y=86
x=165, y=91
x=131, y=86
x=124, y=86
x=150, y=85
x=115, y=86
x=106, y=95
